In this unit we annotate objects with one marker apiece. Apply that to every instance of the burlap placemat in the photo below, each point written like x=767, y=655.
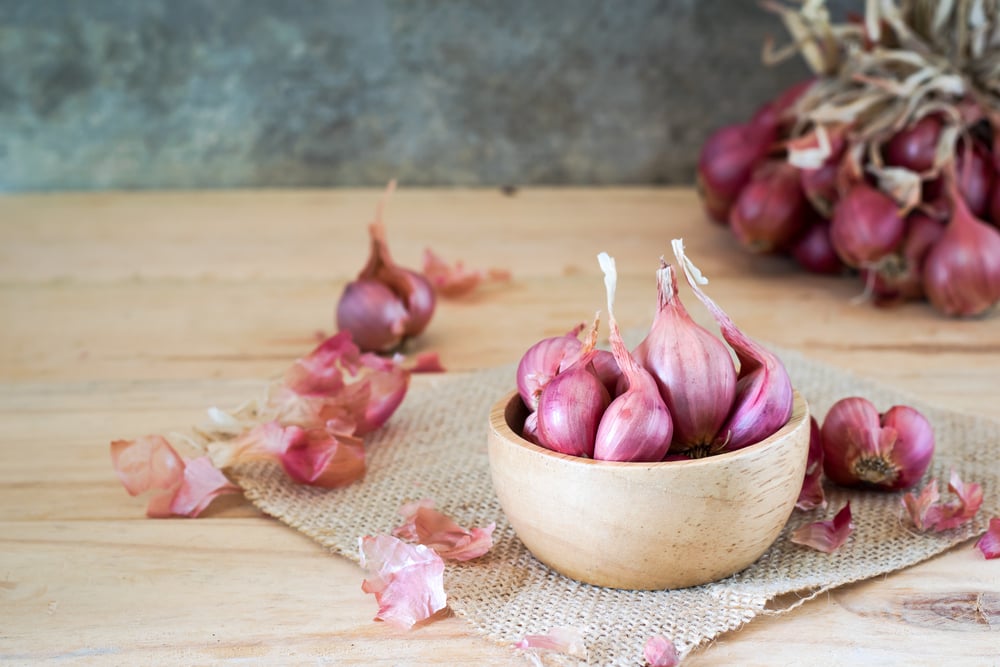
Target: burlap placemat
x=435, y=446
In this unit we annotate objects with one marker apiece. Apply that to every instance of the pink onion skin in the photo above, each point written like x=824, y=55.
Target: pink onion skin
x=915, y=146
x=863, y=448
x=692, y=368
x=962, y=270
x=814, y=252
x=570, y=409
x=725, y=163
x=866, y=226
x=542, y=362
x=373, y=314
x=771, y=208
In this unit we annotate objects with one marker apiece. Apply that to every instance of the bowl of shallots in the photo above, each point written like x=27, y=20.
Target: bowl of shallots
x=671, y=465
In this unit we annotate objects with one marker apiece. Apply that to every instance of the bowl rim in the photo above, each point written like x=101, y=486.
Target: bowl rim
x=499, y=425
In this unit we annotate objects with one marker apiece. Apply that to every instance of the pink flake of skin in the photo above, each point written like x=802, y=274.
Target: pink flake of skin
x=181, y=487
x=202, y=484
x=315, y=390
x=425, y=525
x=826, y=536
x=319, y=372
x=318, y=456
x=989, y=543
x=927, y=513
x=563, y=639
x=660, y=652
x=453, y=281
x=406, y=579
x=812, y=496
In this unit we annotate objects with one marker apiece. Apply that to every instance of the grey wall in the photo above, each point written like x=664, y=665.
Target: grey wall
x=224, y=93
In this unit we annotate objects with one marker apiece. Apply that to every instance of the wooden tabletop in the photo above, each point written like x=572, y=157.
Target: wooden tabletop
x=126, y=314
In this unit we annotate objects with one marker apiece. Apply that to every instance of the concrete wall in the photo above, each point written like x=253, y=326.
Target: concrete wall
x=227, y=93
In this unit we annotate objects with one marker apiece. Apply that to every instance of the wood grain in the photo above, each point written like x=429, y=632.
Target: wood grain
x=124, y=314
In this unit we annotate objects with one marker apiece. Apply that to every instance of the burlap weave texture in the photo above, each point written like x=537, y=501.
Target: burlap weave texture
x=435, y=447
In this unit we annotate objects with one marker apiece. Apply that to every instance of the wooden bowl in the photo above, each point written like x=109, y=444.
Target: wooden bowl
x=646, y=525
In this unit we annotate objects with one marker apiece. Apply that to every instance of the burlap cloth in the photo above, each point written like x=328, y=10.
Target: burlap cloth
x=435, y=446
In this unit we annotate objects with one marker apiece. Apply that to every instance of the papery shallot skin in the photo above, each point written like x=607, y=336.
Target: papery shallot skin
x=863, y=448
x=406, y=579
x=826, y=536
x=989, y=543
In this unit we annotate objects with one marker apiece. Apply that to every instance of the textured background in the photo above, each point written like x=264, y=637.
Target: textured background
x=223, y=93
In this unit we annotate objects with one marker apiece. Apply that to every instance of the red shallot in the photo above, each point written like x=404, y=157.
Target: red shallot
x=763, y=400
x=962, y=269
x=543, y=361
x=889, y=451
x=693, y=369
x=636, y=426
x=571, y=404
x=386, y=304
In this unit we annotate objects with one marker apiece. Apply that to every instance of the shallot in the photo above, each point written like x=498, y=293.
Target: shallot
x=900, y=118
x=636, y=426
x=693, y=369
x=387, y=303
x=888, y=451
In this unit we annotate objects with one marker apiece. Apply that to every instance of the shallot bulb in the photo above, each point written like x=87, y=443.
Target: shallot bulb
x=866, y=226
x=768, y=213
x=861, y=447
x=726, y=161
x=899, y=276
x=962, y=270
x=386, y=304
x=571, y=404
x=764, y=396
x=814, y=252
x=915, y=147
x=543, y=361
x=636, y=425
x=693, y=369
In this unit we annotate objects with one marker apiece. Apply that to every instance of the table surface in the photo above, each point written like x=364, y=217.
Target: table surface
x=130, y=313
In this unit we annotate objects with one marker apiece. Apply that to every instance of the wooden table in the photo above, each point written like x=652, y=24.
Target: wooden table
x=125, y=314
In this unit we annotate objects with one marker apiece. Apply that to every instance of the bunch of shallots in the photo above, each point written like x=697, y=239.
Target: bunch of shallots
x=679, y=394
x=885, y=165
